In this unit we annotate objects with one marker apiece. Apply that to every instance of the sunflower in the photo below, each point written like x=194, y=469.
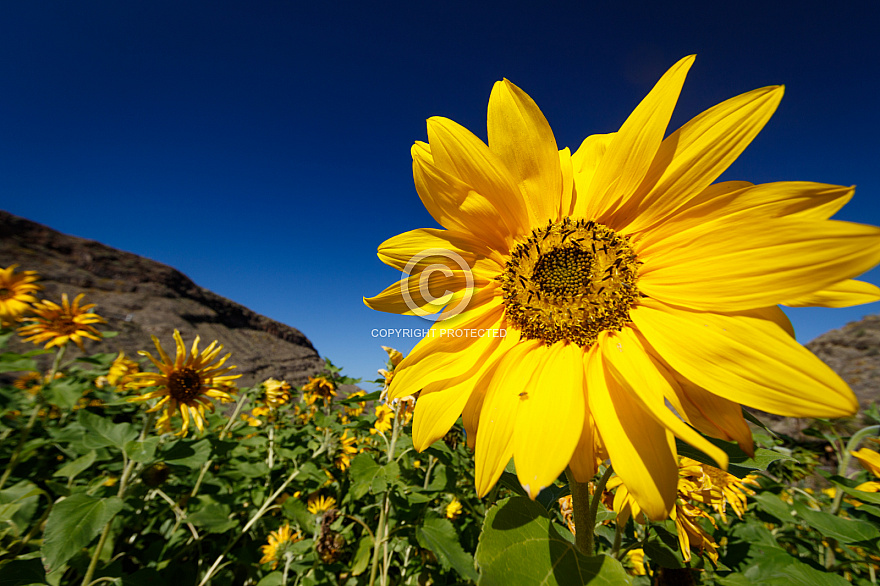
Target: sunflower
x=347, y=449
x=186, y=384
x=31, y=382
x=604, y=286
x=870, y=461
x=277, y=392
x=318, y=387
x=384, y=418
x=59, y=324
x=16, y=294
x=355, y=409
x=121, y=368
x=319, y=504
x=277, y=544
x=453, y=509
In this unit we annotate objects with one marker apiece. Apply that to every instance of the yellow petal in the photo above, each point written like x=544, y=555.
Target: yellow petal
x=441, y=403
x=457, y=151
x=427, y=292
x=691, y=158
x=416, y=249
x=641, y=450
x=635, y=371
x=515, y=374
x=550, y=418
x=583, y=460
x=843, y=294
x=456, y=206
x=567, y=200
x=449, y=349
x=745, y=359
x=633, y=148
x=730, y=266
x=521, y=137
x=869, y=459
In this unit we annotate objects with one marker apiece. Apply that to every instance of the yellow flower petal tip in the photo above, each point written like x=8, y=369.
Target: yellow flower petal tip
x=638, y=297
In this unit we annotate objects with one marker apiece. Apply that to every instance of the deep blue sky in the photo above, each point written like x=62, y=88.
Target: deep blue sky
x=262, y=148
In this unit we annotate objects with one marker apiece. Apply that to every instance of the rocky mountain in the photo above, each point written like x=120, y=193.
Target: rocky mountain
x=140, y=297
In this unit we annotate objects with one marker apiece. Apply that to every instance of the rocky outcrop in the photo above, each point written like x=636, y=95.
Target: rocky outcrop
x=140, y=297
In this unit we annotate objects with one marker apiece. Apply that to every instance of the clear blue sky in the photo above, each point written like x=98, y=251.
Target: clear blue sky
x=262, y=148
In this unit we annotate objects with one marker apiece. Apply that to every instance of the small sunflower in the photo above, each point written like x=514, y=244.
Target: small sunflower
x=319, y=504
x=278, y=542
x=59, y=324
x=453, y=509
x=635, y=562
x=355, y=409
x=638, y=297
x=318, y=387
x=121, y=368
x=186, y=384
x=16, y=294
x=384, y=417
x=31, y=382
x=278, y=392
x=347, y=450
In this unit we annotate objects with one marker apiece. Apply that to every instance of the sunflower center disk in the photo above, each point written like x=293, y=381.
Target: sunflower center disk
x=570, y=281
x=184, y=384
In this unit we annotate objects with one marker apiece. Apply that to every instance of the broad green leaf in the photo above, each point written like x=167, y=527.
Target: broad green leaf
x=187, y=453
x=296, y=510
x=519, y=546
x=11, y=362
x=73, y=523
x=22, y=573
x=775, y=506
x=438, y=535
x=368, y=397
x=101, y=432
x=71, y=469
x=142, y=451
x=362, y=555
x=213, y=518
x=367, y=476
x=252, y=469
x=64, y=392
x=272, y=579
x=848, y=486
x=24, y=497
x=772, y=566
x=843, y=530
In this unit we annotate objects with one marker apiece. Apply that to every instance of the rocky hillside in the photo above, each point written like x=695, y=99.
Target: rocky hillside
x=139, y=297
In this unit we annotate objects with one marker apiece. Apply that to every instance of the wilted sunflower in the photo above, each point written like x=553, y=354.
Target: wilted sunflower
x=16, y=293
x=318, y=387
x=278, y=542
x=186, y=384
x=59, y=324
x=623, y=279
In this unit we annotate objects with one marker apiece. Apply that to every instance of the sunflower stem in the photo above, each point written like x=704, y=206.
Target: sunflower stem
x=250, y=524
x=380, y=540
x=32, y=420
x=853, y=443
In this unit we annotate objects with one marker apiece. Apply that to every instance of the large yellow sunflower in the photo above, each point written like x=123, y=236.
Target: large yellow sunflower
x=186, y=384
x=16, y=293
x=59, y=324
x=624, y=282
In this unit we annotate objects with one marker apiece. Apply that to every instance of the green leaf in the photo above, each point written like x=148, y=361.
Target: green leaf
x=10, y=362
x=71, y=469
x=101, y=432
x=775, y=506
x=374, y=396
x=741, y=465
x=73, y=524
x=252, y=469
x=772, y=566
x=520, y=546
x=272, y=579
x=843, y=530
x=438, y=535
x=297, y=511
x=362, y=555
x=848, y=486
x=367, y=476
x=188, y=453
x=64, y=392
x=213, y=518
x=142, y=451
x=22, y=573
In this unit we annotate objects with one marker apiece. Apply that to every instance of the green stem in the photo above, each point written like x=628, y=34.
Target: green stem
x=383, y=512
x=127, y=468
x=585, y=510
x=247, y=527
x=853, y=443
x=25, y=433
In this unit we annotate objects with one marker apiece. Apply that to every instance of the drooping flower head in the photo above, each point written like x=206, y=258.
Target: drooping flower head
x=870, y=461
x=277, y=545
x=624, y=281
x=347, y=450
x=278, y=392
x=16, y=294
x=319, y=387
x=186, y=384
x=59, y=324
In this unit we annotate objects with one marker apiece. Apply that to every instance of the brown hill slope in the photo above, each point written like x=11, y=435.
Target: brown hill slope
x=140, y=297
